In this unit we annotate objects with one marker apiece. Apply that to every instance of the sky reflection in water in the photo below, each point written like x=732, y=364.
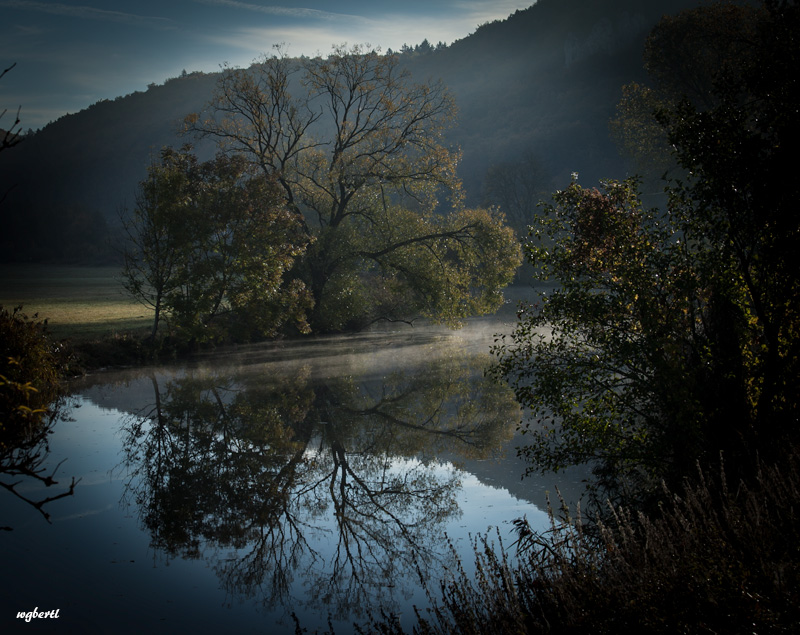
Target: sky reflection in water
x=318, y=478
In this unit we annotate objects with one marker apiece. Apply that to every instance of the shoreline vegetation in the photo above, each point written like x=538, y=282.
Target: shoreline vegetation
x=716, y=556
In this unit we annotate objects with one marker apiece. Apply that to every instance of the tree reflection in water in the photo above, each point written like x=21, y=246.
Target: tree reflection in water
x=333, y=482
x=26, y=469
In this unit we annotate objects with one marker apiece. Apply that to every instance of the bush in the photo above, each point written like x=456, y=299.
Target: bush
x=31, y=369
x=31, y=397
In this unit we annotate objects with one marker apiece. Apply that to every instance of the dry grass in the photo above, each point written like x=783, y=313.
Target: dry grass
x=716, y=558
x=80, y=303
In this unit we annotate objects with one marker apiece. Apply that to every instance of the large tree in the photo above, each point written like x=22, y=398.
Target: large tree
x=357, y=149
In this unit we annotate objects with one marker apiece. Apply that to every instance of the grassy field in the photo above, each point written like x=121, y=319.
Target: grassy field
x=81, y=303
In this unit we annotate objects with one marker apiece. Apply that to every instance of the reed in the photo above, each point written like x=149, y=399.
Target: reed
x=714, y=558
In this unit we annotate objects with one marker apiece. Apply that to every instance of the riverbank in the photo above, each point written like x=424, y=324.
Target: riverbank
x=87, y=310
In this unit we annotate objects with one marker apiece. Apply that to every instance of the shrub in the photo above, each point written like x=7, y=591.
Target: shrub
x=31, y=369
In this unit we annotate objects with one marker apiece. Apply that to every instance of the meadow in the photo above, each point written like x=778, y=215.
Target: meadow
x=79, y=303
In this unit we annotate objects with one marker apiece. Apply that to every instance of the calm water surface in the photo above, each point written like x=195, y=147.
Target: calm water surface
x=320, y=478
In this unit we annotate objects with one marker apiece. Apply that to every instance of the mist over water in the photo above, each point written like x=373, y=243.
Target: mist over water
x=320, y=477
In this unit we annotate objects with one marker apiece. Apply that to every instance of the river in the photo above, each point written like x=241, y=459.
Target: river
x=287, y=483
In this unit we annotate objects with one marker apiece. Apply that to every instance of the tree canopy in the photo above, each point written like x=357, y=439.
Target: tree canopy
x=687, y=56
x=356, y=147
x=673, y=335
x=209, y=246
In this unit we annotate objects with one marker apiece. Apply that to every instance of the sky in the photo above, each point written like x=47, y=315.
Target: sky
x=71, y=54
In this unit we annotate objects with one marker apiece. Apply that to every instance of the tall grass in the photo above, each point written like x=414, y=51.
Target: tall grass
x=713, y=559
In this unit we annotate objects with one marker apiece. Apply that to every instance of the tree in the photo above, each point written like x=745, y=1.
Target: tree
x=685, y=56
x=605, y=363
x=639, y=136
x=739, y=201
x=674, y=335
x=209, y=245
x=10, y=137
x=154, y=231
x=516, y=187
x=360, y=156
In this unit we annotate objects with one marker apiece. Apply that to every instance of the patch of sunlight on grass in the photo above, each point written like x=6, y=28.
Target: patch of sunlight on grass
x=78, y=302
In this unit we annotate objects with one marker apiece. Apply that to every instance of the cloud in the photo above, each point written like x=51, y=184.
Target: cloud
x=286, y=12
x=298, y=40
x=391, y=31
x=488, y=11
x=88, y=13
x=85, y=513
x=28, y=31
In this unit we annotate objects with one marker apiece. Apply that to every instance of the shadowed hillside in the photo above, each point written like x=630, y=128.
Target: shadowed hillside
x=544, y=83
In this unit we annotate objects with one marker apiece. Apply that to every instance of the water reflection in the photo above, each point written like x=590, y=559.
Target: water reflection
x=305, y=487
x=25, y=470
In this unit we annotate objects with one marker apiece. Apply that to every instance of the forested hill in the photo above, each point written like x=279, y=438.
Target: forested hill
x=541, y=84
x=545, y=82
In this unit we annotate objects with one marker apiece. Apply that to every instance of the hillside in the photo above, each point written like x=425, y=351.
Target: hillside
x=544, y=82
